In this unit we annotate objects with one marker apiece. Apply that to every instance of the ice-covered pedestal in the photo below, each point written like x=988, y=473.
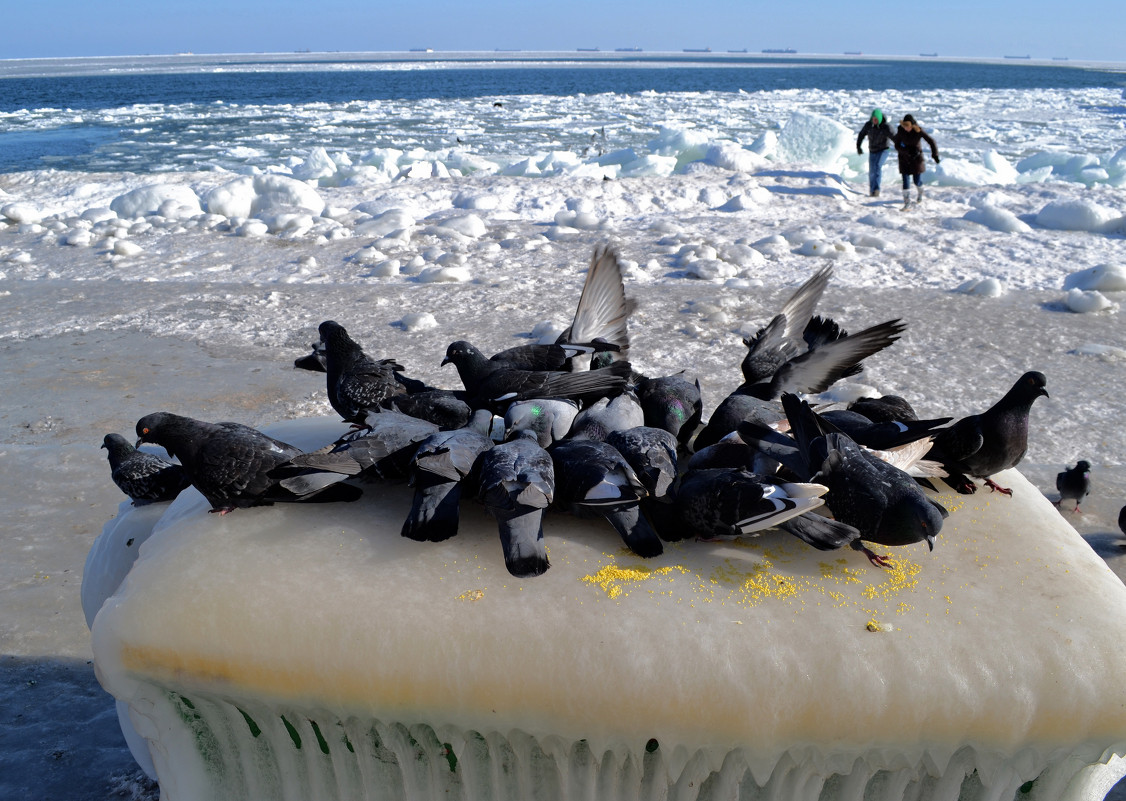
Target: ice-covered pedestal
x=309, y=651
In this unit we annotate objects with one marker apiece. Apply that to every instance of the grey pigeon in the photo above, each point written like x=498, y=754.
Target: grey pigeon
x=603, y=310
x=1074, y=483
x=494, y=384
x=517, y=484
x=983, y=444
x=671, y=402
x=441, y=407
x=231, y=464
x=442, y=466
x=144, y=477
x=549, y=418
x=619, y=413
x=884, y=504
x=592, y=477
x=652, y=453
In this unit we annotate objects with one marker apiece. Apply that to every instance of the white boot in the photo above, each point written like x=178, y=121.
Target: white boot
x=919, y=193
x=906, y=199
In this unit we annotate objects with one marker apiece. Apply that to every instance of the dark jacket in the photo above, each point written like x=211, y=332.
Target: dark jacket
x=879, y=136
x=908, y=145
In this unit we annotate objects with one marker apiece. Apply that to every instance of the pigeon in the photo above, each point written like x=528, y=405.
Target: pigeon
x=603, y=310
x=983, y=444
x=735, y=409
x=592, y=477
x=672, y=403
x=231, y=464
x=619, y=413
x=886, y=409
x=883, y=503
x=313, y=362
x=550, y=356
x=817, y=369
x=882, y=436
x=144, y=477
x=1122, y=519
x=517, y=483
x=357, y=384
x=1074, y=483
x=734, y=503
x=780, y=340
x=381, y=450
x=652, y=453
x=493, y=384
x=441, y=407
x=549, y=418
x=442, y=464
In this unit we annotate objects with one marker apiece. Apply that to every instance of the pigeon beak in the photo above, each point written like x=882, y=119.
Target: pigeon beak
x=445, y=361
x=1044, y=392
x=930, y=541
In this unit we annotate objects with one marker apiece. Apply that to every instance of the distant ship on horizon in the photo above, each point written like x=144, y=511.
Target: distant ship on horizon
x=775, y=50
x=627, y=49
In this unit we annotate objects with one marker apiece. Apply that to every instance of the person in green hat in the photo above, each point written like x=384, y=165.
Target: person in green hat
x=879, y=135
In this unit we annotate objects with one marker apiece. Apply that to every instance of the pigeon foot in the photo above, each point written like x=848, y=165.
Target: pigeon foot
x=993, y=485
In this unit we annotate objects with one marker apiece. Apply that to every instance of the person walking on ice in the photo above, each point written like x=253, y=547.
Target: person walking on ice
x=912, y=164
x=879, y=140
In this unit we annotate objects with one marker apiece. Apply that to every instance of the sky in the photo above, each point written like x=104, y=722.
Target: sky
x=1081, y=30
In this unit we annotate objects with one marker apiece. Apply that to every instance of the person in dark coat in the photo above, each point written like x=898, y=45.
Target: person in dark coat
x=879, y=140
x=908, y=145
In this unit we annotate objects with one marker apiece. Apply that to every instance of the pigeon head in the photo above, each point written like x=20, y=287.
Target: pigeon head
x=118, y=447
x=1029, y=387
x=460, y=352
x=337, y=342
x=1082, y=465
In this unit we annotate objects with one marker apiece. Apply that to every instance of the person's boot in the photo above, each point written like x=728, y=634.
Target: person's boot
x=875, y=193
x=906, y=199
x=919, y=193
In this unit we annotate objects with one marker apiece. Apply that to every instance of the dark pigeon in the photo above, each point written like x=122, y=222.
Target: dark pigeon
x=1074, y=483
x=1122, y=519
x=816, y=370
x=592, y=477
x=549, y=356
x=381, y=451
x=652, y=453
x=672, y=403
x=444, y=464
x=733, y=410
x=493, y=385
x=781, y=339
x=884, y=504
x=882, y=436
x=441, y=407
x=981, y=445
x=357, y=384
x=734, y=503
x=231, y=464
x=144, y=477
x=517, y=484
x=313, y=362
x=886, y=409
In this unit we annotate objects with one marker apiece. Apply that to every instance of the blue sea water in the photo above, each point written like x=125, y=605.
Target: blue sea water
x=249, y=113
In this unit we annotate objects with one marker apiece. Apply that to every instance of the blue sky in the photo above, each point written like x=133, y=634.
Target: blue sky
x=1082, y=29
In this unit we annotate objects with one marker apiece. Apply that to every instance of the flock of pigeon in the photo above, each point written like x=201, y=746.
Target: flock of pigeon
x=571, y=426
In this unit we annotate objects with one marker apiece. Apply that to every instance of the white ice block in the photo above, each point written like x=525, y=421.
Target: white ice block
x=309, y=651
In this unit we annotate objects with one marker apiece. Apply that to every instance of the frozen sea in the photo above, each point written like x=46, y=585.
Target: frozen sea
x=173, y=229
